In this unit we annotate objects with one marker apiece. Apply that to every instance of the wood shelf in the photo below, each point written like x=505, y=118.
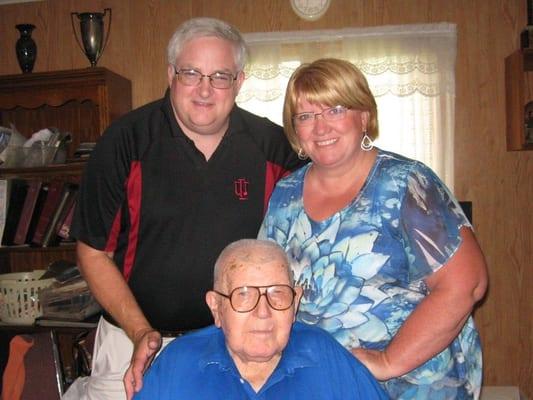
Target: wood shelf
x=46, y=172
x=33, y=249
x=519, y=95
x=29, y=258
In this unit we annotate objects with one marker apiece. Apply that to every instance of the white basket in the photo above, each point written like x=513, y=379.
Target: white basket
x=19, y=296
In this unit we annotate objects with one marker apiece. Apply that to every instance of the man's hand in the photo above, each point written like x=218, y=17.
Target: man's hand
x=146, y=344
x=376, y=362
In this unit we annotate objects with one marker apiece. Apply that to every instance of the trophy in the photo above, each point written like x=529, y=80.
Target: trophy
x=92, y=33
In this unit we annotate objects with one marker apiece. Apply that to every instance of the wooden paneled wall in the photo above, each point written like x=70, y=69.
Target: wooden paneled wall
x=498, y=182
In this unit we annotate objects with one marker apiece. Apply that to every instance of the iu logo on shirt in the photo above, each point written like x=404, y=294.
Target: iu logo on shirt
x=241, y=188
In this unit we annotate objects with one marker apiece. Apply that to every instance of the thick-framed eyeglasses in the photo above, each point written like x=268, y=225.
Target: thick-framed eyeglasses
x=329, y=114
x=245, y=298
x=192, y=77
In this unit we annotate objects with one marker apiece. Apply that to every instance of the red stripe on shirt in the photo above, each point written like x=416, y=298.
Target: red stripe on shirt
x=274, y=173
x=133, y=193
x=111, y=244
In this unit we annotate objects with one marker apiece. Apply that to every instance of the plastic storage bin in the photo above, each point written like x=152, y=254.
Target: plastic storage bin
x=23, y=157
x=19, y=296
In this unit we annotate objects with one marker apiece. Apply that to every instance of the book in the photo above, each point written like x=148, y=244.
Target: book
x=55, y=189
x=3, y=205
x=63, y=227
x=67, y=195
x=41, y=198
x=18, y=189
x=34, y=187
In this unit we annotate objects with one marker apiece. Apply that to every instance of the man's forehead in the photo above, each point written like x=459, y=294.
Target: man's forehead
x=248, y=260
x=248, y=257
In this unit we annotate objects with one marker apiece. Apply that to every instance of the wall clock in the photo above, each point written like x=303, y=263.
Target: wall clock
x=310, y=10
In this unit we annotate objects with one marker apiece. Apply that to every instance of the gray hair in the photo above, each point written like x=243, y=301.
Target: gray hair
x=207, y=27
x=243, y=248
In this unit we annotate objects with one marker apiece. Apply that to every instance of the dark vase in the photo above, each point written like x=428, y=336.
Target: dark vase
x=26, y=48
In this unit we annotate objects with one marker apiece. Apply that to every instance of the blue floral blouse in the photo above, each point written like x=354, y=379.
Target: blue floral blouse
x=363, y=268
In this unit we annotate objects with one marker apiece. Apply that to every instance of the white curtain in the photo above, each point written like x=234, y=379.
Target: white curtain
x=410, y=69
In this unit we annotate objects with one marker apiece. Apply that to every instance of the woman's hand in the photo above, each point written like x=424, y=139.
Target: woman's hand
x=438, y=319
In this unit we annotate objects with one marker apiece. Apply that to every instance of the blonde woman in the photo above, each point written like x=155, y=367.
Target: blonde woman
x=388, y=262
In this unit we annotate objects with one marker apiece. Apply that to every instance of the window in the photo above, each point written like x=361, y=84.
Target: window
x=410, y=70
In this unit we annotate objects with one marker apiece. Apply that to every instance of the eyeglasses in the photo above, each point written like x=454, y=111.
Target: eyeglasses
x=245, y=298
x=192, y=77
x=329, y=114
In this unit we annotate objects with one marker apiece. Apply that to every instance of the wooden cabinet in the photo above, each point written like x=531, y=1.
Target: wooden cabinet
x=82, y=102
x=519, y=100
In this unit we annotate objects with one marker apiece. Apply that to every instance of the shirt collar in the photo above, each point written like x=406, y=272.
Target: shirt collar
x=216, y=352
x=295, y=355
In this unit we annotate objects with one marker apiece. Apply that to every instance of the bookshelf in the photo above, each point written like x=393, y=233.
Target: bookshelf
x=82, y=102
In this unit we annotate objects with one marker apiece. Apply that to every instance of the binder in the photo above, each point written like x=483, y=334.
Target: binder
x=50, y=236
x=53, y=198
x=34, y=188
x=18, y=188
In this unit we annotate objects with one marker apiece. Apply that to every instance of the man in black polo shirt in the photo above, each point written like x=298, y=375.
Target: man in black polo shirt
x=166, y=189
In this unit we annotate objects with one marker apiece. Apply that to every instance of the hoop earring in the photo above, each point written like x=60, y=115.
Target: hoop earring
x=366, y=144
x=301, y=154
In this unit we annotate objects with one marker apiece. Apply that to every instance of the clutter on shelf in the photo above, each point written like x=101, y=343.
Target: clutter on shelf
x=68, y=297
x=44, y=147
x=84, y=150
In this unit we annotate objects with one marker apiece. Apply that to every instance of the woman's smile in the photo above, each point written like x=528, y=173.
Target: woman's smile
x=326, y=142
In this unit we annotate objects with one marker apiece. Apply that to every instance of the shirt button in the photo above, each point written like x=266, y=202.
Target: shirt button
x=242, y=380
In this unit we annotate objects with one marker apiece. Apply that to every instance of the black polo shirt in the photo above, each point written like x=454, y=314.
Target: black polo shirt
x=149, y=196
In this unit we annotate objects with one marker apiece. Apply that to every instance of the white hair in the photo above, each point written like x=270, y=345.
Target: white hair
x=244, y=247
x=207, y=27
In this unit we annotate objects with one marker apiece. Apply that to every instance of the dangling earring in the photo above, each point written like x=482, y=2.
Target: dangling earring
x=301, y=154
x=366, y=144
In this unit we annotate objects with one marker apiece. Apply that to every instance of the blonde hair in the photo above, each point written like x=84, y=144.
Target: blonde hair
x=330, y=82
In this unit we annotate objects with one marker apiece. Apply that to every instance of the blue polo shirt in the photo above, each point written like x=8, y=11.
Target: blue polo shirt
x=313, y=366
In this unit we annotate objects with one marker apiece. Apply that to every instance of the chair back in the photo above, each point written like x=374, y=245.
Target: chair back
x=33, y=370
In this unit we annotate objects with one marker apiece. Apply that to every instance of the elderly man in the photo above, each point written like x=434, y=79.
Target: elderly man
x=254, y=351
